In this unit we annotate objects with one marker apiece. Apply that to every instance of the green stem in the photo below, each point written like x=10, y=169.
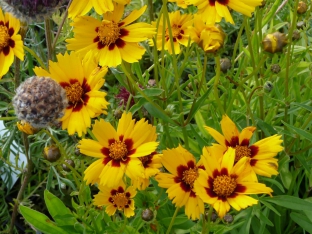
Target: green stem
x=172, y=220
x=24, y=184
x=48, y=35
x=207, y=227
x=131, y=79
x=215, y=85
x=33, y=54
x=61, y=26
x=288, y=56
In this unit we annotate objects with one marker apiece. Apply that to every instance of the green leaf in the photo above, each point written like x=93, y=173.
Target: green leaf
x=151, y=92
x=302, y=221
x=299, y=131
x=309, y=108
x=40, y=221
x=290, y=202
x=60, y=213
x=157, y=113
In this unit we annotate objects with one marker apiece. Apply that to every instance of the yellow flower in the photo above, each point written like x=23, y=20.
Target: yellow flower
x=78, y=7
x=151, y=164
x=209, y=37
x=180, y=27
x=180, y=182
x=180, y=3
x=118, y=151
x=25, y=127
x=116, y=198
x=10, y=42
x=223, y=184
x=214, y=10
x=261, y=153
x=82, y=80
x=111, y=40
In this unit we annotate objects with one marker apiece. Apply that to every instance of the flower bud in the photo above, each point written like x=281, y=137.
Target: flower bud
x=51, y=153
x=211, y=38
x=275, y=68
x=40, y=101
x=228, y=218
x=296, y=35
x=77, y=151
x=225, y=64
x=25, y=127
x=70, y=162
x=147, y=215
x=274, y=42
x=300, y=24
x=268, y=86
x=302, y=7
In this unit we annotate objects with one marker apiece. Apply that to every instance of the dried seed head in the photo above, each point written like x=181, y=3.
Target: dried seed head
x=274, y=42
x=51, y=153
x=32, y=10
x=40, y=101
x=302, y=7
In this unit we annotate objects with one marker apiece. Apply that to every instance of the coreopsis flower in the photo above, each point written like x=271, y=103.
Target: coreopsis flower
x=78, y=7
x=32, y=10
x=118, y=151
x=209, y=37
x=213, y=11
x=223, y=184
x=151, y=164
x=180, y=27
x=183, y=172
x=261, y=153
x=11, y=43
x=117, y=198
x=111, y=40
x=274, y=42
x=81, y=79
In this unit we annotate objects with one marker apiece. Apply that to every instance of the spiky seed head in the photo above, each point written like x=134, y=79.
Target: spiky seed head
x=32, y=10
x=40, y=101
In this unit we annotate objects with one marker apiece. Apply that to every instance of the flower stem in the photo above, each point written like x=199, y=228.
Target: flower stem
x=206, y=228
x=215, y=85
x=61, y=26
x=48, y=31
x=24, y=184
x=172, y=220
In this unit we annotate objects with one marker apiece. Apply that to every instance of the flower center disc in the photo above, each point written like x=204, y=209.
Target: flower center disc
x=176, y=31
x=241, y=151
x=4, y=37
x=190, y=175
x=74, y=92
x=120, y=200
x=108, y=32
x=118, y=150
x=224, y=185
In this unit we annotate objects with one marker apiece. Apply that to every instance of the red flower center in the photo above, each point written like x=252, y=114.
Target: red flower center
x=222, y=2
x=190, y=175
x=74, y=92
